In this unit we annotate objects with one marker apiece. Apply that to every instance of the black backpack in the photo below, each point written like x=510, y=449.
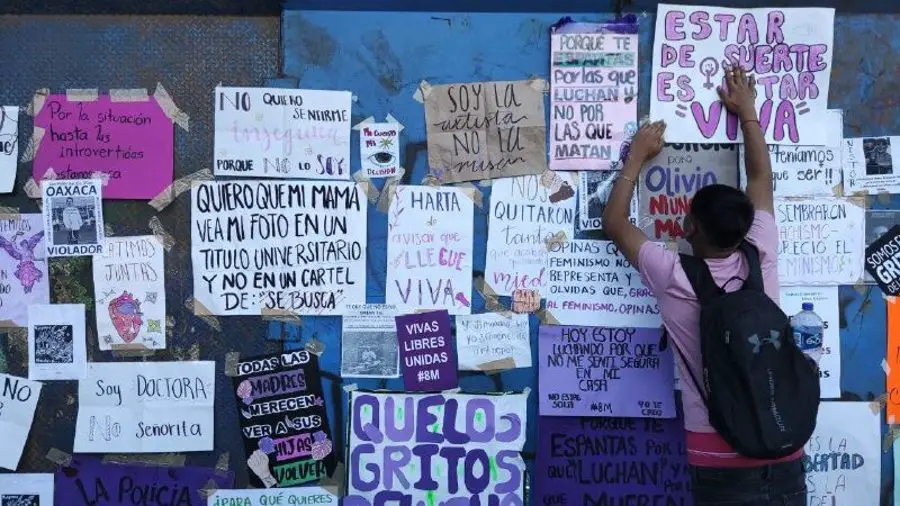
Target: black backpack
x=761, y=391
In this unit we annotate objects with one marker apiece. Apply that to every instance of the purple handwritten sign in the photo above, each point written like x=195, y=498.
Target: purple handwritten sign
x=427, y=353
x=599, y=460
x=602, y=371
x=130, y=144
x=89, y=482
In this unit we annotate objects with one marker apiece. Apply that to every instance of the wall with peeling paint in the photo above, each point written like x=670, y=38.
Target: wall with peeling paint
x=382, y=56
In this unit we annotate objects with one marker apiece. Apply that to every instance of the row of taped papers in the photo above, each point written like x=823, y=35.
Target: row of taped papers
x=789, y=50
x=892, y=360
x=669, y=181
x=606, y=460
x=592, y=284
x=379, y=149
x=449, y=446
x=369, y=346
x=146, y=407
x=291, y=496
x=282, y=133
x=869, y=165
x=826, y=305
x=22, y=489
x=19, y=398
x=427, y=353
x=57, y=344
x=878, y=223
x=603, y=371
x=485, y=130
x=490, y=338
x=24, y=278
x=842, y=459
x=296, y=246
x=129, y=286
x=9, y=147
x=594, y=189
x=594, y=89
x=129, y=143
x=806, y=171
x=524, y=214
x=287, y=439
x=821, y=241
x=429, y=251
x=88, y=481
x=73, y=217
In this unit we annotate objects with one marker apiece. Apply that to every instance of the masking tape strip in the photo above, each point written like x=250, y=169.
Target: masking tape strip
x=9, y=211
x=484, y=183
x=82, y=94
x=201, y=312
x=179, y=186
x=131, y=350
x=538, y=84
x=171, y=110
x=430, y=180
x=473, y=193
x=423, y=90
x=838, y=190
x=363, y=181
x=147, y=459
x=391, y=119
x=885, y=367
x=892, y=435
x=9, y=324
x=34, y=143
x=878, y=404
x=38, y=101
x=491, y=300
x=59, y=457
x=350, y=388
x=161, y=235
x=281, y=315
x=108, y=230
x=232, y=358
x=546, y=317
x=315, y=346
x=129, y=95
x=387, y=194
x=102, y=176
x=358, y=126
x=186, y=354
x=32, y=189
x=497, y=366
x=526, y=392
x=556, y=242
x=452, y=391
x=223, y=463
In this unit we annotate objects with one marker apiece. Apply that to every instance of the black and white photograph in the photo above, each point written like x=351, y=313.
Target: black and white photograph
x=20, y=500
x=593, y=194
x=53, y=344
x=369, y=346
x=56, y=342
x=877, y=151
x=73, y=217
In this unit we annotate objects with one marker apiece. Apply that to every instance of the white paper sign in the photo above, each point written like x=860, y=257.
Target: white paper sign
x=26, y=489
x=523, y=215
x=9, y=147
x=429, y=252
x=379, y=149
x=789, y=51
x=843, y=457
x=73, y=217
x=18, y=399
x=311, y=496
x=129, y=286
x=369, y=347
x=592, y=284
x=289, y=246
x=805, y=171
x=821, y=241
x=283, y=133
x=146, y=407
x=594, y=189
x=869, y=165
x=825, y=304
x=24, y=279
x=483, y=340
x=57, y=348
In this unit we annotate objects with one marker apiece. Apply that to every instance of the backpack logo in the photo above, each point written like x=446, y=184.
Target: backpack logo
x=774, y=340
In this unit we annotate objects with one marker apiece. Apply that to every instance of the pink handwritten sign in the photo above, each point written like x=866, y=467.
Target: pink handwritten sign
x=130, y=144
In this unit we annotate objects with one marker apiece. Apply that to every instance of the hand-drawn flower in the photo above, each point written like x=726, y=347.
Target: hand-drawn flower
x=267, y=445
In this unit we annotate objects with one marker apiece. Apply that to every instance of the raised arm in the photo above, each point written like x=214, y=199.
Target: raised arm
x=740, y=99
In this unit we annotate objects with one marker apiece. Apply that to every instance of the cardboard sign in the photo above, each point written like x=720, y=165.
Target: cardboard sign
x=789, y=50
x=284, y=133
x=9, y=147
x=24, y=279
x=869, y=163
x=427, y=353
x=379, y=149
x=73, y=217
x=281, y=497
x=883, y=261
x=18, y=398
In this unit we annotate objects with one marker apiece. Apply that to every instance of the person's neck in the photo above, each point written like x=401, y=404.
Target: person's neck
x=713, y=254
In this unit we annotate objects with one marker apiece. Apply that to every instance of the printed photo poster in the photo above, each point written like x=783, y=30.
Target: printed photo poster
x=878, y=223
x=146, y=407
x=88, y=481
x=24, y=279
x=128, y=144
x=261, y=497
x=883, y=261
x=573, y=461
x=428, y=361
x=821, y=241
x=825, y=304
x=592, y=284
x=283, y=418
x=485, y=130
x=57, y=346
x=602, y=371
x=843, y=457
x=260, y=246
x=22, y=489
x=369, y=347
x=73, y=217
x=788, y=50
x=669, y=181
x=524, y=214
x=19, y=398
x=9, y=147
x=594, y=89
x=594, y=189
x=429, y=251
x=379, y=149
x=129, y=285
x=450, y=446
x=806, y=171
x=869, y=165
x=282, y=133
x=493, y=342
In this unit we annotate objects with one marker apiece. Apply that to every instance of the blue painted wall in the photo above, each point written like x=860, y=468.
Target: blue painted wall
x=382, y=56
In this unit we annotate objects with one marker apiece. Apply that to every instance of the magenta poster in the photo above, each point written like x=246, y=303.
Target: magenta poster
x=128, y=144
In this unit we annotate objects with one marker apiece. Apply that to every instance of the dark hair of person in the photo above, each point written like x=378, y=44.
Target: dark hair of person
x=723, y=214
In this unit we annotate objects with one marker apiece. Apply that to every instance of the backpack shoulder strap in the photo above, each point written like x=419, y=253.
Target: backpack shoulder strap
x=754, y=279
x=701, y=279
